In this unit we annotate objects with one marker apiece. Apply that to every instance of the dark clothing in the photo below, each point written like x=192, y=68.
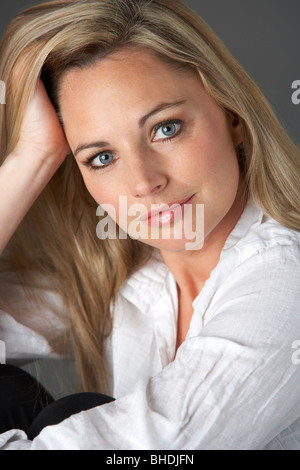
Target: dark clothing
x=26, y=405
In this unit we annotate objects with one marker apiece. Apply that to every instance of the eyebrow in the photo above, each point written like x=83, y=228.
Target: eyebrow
x=142, y=122
x=158, y=109
x=97, y=144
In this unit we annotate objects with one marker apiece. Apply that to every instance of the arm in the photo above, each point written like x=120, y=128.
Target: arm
x=41, y=149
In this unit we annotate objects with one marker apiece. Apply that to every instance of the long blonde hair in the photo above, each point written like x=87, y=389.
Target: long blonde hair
x=57, y=239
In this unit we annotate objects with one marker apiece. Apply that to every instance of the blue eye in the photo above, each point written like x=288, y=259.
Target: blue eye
x=102, y=159
x=167, y=130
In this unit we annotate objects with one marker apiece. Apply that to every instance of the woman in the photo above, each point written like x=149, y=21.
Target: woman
x=194, y=342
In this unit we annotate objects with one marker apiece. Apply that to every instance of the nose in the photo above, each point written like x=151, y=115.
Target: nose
x=146, y=177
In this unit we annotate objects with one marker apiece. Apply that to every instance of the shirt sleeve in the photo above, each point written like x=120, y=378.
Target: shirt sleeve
x=232, y=385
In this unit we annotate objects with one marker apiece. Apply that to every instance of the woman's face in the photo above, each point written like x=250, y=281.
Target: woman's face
x=147, y=137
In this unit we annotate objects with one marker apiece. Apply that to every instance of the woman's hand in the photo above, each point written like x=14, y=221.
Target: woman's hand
x=41, y=133
x=40, y=150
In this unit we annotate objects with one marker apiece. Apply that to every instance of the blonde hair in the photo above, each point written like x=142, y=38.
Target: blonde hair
x=58, y=236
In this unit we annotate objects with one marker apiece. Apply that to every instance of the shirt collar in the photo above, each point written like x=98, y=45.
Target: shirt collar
x=251, y=217
x=148, y=283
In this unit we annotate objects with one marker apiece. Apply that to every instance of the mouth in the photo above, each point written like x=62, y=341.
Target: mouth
x=165, y=213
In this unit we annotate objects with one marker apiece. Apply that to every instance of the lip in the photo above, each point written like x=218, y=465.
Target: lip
x=159, y=216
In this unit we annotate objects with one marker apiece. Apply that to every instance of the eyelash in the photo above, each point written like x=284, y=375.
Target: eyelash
x=90, y=159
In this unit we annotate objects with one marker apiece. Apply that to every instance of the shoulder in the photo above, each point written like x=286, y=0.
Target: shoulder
x=272, y=239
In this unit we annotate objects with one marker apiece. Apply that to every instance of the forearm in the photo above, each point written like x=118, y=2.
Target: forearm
x=22, y=178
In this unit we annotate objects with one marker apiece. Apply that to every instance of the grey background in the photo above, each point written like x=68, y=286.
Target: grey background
x=264, y=35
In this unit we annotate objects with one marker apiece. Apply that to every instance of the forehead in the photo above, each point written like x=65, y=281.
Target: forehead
x=138, y=74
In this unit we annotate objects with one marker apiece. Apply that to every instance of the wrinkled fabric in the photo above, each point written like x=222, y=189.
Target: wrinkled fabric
x=233, y=383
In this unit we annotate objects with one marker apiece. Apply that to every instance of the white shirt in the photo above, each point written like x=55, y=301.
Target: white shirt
x=234, y=383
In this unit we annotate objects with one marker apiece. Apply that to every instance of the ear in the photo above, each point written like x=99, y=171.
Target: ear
x=236, y=128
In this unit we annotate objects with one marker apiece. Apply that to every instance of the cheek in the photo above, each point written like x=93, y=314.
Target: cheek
x=222, y=168
x=102, y=193
x=209, y=164
x=213, y=155
x=92, y=186
x=106, y=194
